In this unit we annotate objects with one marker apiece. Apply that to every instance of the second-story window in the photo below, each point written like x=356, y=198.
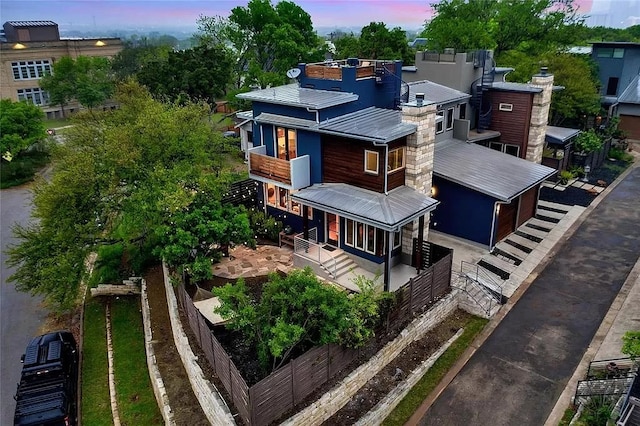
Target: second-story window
x=396, y=159
x=286, y=143
x=35, y=95
x=370, y=162
x=30, y=70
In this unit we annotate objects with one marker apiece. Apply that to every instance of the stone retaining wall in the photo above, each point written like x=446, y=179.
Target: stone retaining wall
x=336, y=398
x=154, y=373
x=383, y=408
x=210, y=400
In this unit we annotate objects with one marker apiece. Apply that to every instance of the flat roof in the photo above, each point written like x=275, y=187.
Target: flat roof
x=501, y=176
x=302, y=97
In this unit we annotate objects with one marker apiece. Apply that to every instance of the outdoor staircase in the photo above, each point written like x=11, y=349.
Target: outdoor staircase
x=343, y=265
x=600, y=387
x=479, y=99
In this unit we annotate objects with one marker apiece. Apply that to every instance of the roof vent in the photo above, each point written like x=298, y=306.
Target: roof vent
x=544, y=70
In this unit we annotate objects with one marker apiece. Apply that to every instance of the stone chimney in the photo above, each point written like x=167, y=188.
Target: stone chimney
x=539, y=115
x=419, y=159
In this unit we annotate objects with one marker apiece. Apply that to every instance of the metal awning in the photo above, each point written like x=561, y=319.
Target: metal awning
x=560, y=135
x=385, y=211
x=501, y=176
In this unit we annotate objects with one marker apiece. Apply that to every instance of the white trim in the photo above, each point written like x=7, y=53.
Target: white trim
x=404, y=153
x=439, y=121
x=505, y=107
x=452, y=112
x=366, y=157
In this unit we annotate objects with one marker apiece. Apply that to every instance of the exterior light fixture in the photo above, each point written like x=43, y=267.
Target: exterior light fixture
x=434, y=191
x=587, y=169
x=100, y=43
x=19, y=46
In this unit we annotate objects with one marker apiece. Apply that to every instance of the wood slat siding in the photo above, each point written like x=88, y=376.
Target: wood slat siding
x=240, y=394
x=514, y=125
x=631, y=125
x=324, y=73
x=365, y=71
x=527, y=205
x=507, y=219
x=310, y=371
x=343, y=162
x=270, y=167
x=271, y=397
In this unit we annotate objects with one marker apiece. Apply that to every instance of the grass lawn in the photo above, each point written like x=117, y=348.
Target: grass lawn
x=55, y=123
x=430, y=380
x=136, y=402
x=96, y=409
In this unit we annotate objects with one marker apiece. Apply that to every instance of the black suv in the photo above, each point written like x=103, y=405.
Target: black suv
x=47, y=392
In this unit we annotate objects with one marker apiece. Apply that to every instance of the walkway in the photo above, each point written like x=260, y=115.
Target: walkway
x=521, y=369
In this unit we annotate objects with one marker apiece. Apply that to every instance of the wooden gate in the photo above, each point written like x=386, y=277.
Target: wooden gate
x=507, y=219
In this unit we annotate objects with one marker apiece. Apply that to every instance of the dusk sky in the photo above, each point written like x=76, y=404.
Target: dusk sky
x=409, y=14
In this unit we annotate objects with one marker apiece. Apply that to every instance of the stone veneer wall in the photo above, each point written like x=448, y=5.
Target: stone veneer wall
x=419, y=161
x=154, y=373
x=210, y=400
x=332, y=401
x=539, y=117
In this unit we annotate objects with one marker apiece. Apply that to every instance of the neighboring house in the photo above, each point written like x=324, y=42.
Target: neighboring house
x=485, y=194
x=618, y=70
x=28, y=50
x=356, y=155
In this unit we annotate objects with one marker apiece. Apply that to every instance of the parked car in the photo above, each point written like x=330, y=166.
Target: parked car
x=47, y=392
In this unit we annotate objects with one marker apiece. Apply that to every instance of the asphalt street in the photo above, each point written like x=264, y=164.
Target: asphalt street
x=517, y=375
x=21, y=315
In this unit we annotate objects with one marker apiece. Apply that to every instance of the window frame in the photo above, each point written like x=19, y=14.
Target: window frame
x=276, y=204
x=290, y=139
x=505, y=107
x=439, y=122
x=34, y=95
x=449, y=118
x=402, y=162
x=367, y=170
x=31, y=70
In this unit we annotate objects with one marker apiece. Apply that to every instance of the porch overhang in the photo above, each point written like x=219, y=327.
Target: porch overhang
x=501, y=176
x=560, y=136
x=389, y=212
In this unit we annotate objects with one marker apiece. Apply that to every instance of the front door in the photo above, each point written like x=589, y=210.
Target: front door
x=333, y=229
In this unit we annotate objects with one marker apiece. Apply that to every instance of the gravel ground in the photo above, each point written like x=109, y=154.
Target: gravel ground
x=571, y=196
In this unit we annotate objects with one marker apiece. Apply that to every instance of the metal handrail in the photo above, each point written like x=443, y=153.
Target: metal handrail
x=631, y=405
x=476, y=273
x=464, y=287
x=314, y=252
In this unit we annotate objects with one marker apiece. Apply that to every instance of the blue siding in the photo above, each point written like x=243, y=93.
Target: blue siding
x=462, y=212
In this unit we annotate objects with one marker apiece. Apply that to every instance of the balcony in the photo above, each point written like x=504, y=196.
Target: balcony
x=348, y=69
x=293, y=174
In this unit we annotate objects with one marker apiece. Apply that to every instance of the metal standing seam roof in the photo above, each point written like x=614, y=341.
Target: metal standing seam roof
x=485, y=170
x=385, y=211
x=371, y=124
x=631, y=94
x=559, y=135
x=294, y=95
x=435, y=93
x=31, y=23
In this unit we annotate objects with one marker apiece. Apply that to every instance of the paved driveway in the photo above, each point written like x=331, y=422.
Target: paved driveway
x=517, y=375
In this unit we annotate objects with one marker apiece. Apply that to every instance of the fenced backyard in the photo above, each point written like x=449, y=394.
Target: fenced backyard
x=276, y=394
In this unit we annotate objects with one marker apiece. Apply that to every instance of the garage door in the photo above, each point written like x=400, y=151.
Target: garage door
x=631, y=125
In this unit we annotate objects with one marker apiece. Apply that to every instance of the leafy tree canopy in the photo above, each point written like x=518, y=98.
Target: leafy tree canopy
x=265, y=40
x=533, y=26
x=86, y=79
x=116, y=179
x=21, y=126
x=376, y=41
x=299, y=310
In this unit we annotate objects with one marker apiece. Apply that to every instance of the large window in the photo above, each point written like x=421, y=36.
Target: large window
x=367, y=238
x=371, y=162
x=610, y=52
x=280, y=198
x=36, y=96
x=29, y=70
x=396, y=159
x=286, y=140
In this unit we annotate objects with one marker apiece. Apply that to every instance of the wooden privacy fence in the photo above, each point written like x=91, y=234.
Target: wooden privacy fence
x=593, y=159
x=269, y=399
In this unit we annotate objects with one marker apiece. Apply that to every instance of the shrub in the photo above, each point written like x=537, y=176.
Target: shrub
x=587, y=142
x=264, y=226
x=620, y=154
x=565, y=176
x=576, y=171
x=631, y=344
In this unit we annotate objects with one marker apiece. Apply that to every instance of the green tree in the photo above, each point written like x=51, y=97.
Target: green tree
x=298, y=310
x=130, y=60
x=116, y=179
x=377, y=42
x=347, y=46
x=193, y=238
x=86, y=79
x=21, y=126
x=265, y=40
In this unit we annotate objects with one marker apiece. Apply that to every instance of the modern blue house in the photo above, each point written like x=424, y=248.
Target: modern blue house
x=357, y=163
